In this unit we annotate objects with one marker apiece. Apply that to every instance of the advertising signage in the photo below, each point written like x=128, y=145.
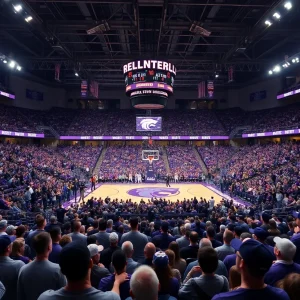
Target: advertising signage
x=271, y=133
x=136, y=138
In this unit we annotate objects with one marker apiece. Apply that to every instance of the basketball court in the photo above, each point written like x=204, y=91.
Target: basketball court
x=145, y=191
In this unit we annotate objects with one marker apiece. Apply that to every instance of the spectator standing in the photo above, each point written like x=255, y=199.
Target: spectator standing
x=253, y=261
x=131, y=265
x=55, y=234
x=179, y=263
x=3, y=226
x=210, y=233
x=9, y=269
x=78, y=277
x=41, y=224
x=2, y=290
x=107, y=253
x=46, y=275
x=119, y=263
x=191, y=251
x=163, y=239
x=138, y=240
x=98, y=270
x=291, y=284
x=76, y=235
x=184, y=240
x=208, y=284
x=102, y=236
x=149, y=252
x=18, y=249
x=236, y=241
x=296, y=237
x=221, y=269
x=225, y=249
x=169, y=285
x=285, y=251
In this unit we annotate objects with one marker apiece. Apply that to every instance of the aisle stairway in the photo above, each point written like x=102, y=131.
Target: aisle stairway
x=200, y=161
x=99, y=161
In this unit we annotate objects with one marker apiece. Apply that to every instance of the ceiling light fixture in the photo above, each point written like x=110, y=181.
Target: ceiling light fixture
x=288, y=5
x=18, y=7
x=268, y=23
x=28, y=19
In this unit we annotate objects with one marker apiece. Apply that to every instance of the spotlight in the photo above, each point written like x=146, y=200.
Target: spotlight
x=76, y=74
x=277, y=69
x=297, y=59
x=28, y=19
x=270, y=72
x=288, y=5
x=5, y=61
x=12, y=64
x=284, y=65
x=19, y=68
x=293, y=60
x=217, y=75
x=277, y=16
x=268, y=23
x=18, y=8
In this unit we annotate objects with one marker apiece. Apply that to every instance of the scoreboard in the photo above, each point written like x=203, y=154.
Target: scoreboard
x=149, y=74
x=149, y=83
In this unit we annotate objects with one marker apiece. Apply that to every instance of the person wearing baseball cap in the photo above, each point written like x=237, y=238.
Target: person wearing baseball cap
x=76, y=264
x=285, y=251
x=9, y=268
x=98, y=270
x=253, y=261
x=296, y=237
x=169, y=285
x=260, y=234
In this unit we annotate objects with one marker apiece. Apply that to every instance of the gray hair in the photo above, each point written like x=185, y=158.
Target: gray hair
x=110, y=222
x=222, y=228
x=127, y=248
x=205, y=243
x=144, y=284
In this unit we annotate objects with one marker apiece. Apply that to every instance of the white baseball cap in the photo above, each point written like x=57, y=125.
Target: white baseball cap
x=95, y=249
x=286, y=247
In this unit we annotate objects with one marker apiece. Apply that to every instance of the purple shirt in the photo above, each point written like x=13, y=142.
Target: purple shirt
x=269, y=292
x=107, y=283
x=296, y=240
x=279, y=270
x=54, y=255
x=229, y=261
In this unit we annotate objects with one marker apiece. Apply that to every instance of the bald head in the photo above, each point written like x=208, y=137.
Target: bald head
x=205, y=243
x=149, y=250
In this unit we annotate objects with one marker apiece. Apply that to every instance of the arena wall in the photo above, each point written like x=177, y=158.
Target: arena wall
x=52, y=97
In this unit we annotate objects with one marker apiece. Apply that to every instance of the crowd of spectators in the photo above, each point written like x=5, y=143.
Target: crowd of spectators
x=154, y=250
x=193, y=122
x=32, y=177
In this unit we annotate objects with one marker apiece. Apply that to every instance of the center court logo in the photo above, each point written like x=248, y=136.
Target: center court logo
x=149, y=192
x=148, y=124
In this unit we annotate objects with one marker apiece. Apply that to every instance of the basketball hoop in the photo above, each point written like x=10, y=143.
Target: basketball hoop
x=150, y=158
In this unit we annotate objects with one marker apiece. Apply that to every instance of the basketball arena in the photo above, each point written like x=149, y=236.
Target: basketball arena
x=149, y=149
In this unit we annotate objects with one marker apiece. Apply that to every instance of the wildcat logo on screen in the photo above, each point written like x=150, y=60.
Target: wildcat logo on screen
x=149, y=192
x=148, y=124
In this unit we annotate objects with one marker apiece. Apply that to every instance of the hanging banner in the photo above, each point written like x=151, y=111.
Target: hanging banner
x=201, y=90
x=57, y=72
x=210, y=89
x=84, y=89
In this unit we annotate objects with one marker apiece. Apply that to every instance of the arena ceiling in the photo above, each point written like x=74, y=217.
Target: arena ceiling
x=143, y=29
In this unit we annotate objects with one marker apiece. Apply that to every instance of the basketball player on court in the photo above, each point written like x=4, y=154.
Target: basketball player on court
x=130, y=177
x=168, y=181
x=176, y=177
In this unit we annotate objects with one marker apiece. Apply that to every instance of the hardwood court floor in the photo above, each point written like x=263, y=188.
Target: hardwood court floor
x=136, y=192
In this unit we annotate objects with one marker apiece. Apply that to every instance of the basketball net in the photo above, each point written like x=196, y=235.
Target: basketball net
x=150, y=158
